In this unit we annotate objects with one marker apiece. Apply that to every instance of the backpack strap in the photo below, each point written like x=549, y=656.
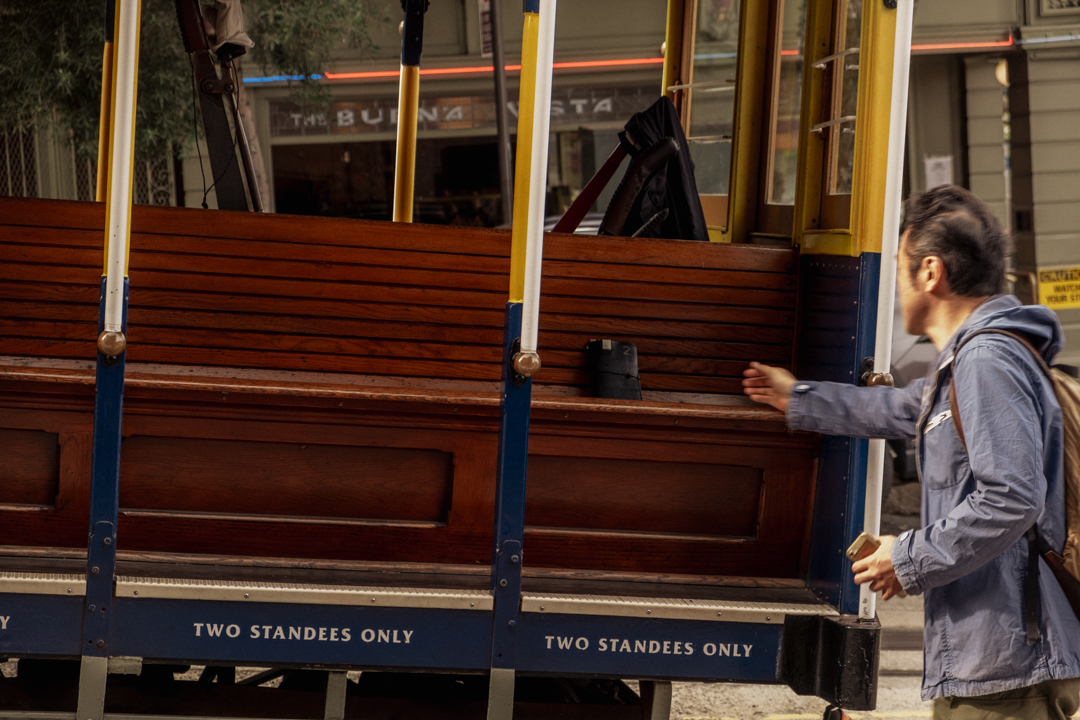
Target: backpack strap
x=1031, y=583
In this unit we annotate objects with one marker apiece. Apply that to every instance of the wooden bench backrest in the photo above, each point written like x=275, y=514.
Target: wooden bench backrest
x=312, y=294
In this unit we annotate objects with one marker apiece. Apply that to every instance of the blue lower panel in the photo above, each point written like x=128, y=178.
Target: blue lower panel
x=302, y=634
x=642, y=648
x=40, y=624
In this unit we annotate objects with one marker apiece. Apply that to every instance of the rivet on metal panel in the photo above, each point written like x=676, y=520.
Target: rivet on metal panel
x=107, y=541
x=541, y=608
x=247, y=595
x=95, y=570
x=512, y=623
x=649, y=612
x=101, y=643
x=514, y=558
x=502, y=583
x=92, y=608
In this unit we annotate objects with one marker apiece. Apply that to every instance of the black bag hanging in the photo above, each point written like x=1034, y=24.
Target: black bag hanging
x=613, y=369
x=654, y=137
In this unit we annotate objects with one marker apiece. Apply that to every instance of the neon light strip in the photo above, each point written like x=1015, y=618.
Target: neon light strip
x=468, y=70
x=967, y=46
x=282, y=78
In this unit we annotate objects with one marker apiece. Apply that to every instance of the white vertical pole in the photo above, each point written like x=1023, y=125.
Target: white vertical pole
x=118, y=208
x=534, y=249
x=887, y=283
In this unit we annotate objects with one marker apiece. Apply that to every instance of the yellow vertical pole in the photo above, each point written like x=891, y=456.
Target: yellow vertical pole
x=523, y=168
x=673, y=46
x=412, y=45
x=405, y=168
x=108, y=74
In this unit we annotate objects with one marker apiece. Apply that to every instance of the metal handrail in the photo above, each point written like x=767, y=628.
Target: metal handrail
x=829, y=123
x=704, y=83
x=820, y=64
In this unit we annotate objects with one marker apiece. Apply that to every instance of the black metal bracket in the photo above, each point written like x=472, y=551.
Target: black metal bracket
x=412, y=34
x=866, y=368
x=834, y=658
x=101, y=555
x=515, y=377
x=218, y=86
x=890, y=4
x=507, y=605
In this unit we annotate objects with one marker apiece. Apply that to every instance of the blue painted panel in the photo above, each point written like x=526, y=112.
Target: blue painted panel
x=866, y=339
x=104, y=488
x=301, y=634
x=507, y=556
x=40, y=624
x=839, y=319
x=827, y=562
x=636, y=647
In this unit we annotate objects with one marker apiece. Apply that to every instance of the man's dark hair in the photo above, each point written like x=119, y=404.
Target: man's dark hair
x=951, y=223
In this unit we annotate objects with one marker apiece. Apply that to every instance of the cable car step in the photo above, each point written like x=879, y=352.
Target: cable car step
x=670, y=608
x=397, y=597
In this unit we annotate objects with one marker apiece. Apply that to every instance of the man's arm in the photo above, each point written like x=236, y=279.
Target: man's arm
x=837, y=408
x=996, y=390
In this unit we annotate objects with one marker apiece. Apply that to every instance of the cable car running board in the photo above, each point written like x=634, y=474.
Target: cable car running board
x=670, y=608
x=258, y=592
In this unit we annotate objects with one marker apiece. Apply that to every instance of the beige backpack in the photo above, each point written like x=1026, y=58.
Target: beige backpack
x=1066, y=566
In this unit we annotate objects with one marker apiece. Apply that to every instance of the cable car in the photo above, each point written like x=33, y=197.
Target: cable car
x=324, y=446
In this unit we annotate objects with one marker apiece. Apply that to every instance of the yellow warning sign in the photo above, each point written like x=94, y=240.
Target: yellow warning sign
x=1059, y=287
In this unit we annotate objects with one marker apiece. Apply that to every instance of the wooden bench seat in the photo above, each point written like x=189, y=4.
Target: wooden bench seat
x=319, y=388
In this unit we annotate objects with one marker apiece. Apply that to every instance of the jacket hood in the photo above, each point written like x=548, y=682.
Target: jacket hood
x=1004, y=312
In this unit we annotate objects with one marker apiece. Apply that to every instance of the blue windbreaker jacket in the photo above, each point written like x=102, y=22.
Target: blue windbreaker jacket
x=970, y=557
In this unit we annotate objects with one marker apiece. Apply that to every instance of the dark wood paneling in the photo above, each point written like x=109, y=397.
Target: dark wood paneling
x=29, y=467
x=285, y=479
x=637, y=497
x=390, y=454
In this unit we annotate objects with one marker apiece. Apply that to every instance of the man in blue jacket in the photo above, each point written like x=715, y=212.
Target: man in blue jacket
x=985, y=655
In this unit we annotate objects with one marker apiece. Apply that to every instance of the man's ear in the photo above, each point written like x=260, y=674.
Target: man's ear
x=932, y=273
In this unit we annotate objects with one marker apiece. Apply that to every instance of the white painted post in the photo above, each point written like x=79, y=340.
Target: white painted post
x=887, y=283
x=534, y=252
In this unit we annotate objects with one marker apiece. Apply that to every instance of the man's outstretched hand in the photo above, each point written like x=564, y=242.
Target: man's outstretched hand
x=877, y=569
x=768, y=385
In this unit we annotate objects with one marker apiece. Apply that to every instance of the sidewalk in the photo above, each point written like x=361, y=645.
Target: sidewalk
x=898, y=682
